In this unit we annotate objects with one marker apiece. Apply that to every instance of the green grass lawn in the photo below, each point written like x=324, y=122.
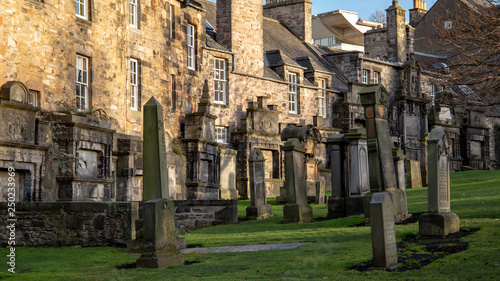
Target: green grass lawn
x=336, y=246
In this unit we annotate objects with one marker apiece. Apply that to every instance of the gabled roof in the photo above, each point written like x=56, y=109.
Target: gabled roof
x=278, y=58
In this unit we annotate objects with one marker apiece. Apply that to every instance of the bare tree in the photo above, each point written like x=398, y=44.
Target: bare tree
x=470, y=38
x=378, y=16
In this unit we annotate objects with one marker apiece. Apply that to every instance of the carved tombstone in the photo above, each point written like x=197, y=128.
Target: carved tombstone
x=438, y=221
x=382, y=171
x=414, y=174
x=159, y=241
x=259, y=208
x=350, y=177
x=296, y=209
x=383, y=231
x=320, y=191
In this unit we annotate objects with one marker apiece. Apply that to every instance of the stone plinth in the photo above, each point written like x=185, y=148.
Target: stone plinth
x=159, y=242
x=383, y=232
x=296, y=209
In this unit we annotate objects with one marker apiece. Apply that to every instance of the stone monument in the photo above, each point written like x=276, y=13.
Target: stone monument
x=439, y=221
x=414, y=174
x=297, y=209
x=259, y=208
x=320, y=191
x=349, y=176
x=385, y=254
x=228, y=174
x=399, y=158
x=159, y=241
x=381, y=163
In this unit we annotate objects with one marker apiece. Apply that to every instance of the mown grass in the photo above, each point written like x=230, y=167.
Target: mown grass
x=336, y=246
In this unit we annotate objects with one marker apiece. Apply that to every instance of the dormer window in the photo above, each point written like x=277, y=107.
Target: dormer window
x=448, y=24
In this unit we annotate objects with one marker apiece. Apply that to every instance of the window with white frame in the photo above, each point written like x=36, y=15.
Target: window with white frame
x=82, y=82
x=292, y=92
x=221, y=134
x=219, y=80
x=190, y=46
x=33, y=97
x=376, y=77
x=448, y=24
x=364, y=78
x=134, y=84
x=322, y=98
x=433, y=94
x=81, y=8
x=134, y=13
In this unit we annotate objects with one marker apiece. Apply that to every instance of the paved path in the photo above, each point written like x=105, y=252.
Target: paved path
x=248, y=248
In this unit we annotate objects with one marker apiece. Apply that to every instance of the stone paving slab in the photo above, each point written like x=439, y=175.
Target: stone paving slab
x=248, y=248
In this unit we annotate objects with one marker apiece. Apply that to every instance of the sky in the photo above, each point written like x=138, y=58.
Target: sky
x=364, y=8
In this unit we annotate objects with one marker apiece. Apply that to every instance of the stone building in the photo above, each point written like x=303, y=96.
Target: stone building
x=74, y=79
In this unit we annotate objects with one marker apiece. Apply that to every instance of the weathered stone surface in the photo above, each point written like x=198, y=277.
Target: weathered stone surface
x=383, y=231
x=414, y=174
x=55, y=224
x=438, y=221
x=399, y=167
x=228, y=174
x=297, y=208
x=195, y=214
x=320, y=191
x=259, y=208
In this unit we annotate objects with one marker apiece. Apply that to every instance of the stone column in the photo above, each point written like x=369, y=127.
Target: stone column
x=259, y=208
x=382, y=172
x=336, y=203
x=358, y=181
x=296, y=209
x=383, y=232
x=159, y=241
x=439, y=221
x=155, y=179
x=228, y=174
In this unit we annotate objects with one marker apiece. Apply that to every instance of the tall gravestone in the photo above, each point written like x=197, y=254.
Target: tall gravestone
x=349, y=172
x=439, y=221
x=399, y=158
x=414, y=174
x=297, y=209
x=320, y=191
x=383, y=231
x=259, y=208
x=159, y=241
x=381, y=164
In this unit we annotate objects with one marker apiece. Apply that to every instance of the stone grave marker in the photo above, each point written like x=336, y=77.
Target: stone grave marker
x=159, y=241
x=382, y=172
x=414, y=174
x=320, y=191
x=259, y=208
x=383, y=232
x=297, y=209
x=439, y=221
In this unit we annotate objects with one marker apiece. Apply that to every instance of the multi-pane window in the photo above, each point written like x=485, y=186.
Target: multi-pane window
x=376, y=77
x=433, y=94
x=81, y=8
x=82, y=82
x=221, y=134
x=33, y=97
x=448, y=24
x=190, y=46
x=133, y=13
x=364, y=78
x=134, y=82
x=322, y=98
x=292, y=92
x=219, y=80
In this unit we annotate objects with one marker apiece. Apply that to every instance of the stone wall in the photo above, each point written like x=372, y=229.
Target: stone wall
x=67, y=224
x=196, y=214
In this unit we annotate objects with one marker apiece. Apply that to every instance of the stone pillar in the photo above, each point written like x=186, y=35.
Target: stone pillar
x=439, y=221
x=358, y=183
x=159, y=241
x=381, y=163
x=336, y=203
x=296, y=209
x=155, y=179
x=424, y=163
x=320, y=191
x=259, y=208
x=228, y=174
x=383, y=232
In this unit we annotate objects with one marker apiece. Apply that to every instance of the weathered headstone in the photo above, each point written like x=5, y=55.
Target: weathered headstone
x=259, y=208
x=381, y=163
x=438, y=221
x=349, y=173
x=414, y=174
x=296, y=209
x=228, y=174
x=399, y=158
x=320, y=191
x=159, y=241
x=383, y=231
